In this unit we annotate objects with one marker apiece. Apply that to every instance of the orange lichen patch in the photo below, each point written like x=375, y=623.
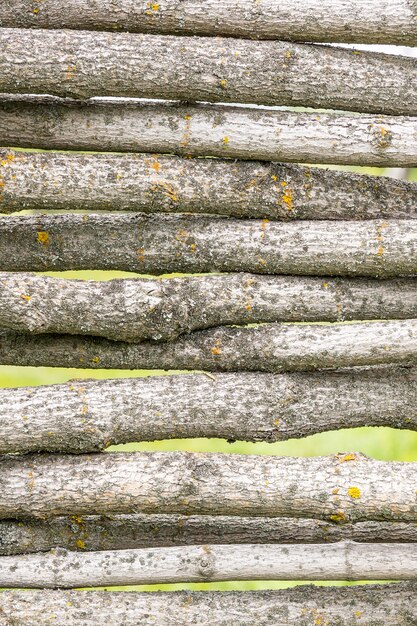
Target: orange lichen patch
x=354, y=492
x=382, y=137
x=154, y=6
x=25, y=297
x=77, y=519
x=9, y=158
x=338, y=517
x=379, y=238
x=80, y=544
x=343, y=458
x=288, y=199
x=216, y=351
x=70, y=73
x=141, y=254
x=248, y=307
x=43, y=237
x=155, y=165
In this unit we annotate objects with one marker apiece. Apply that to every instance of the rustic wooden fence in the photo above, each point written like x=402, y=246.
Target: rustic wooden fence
x=289, y=243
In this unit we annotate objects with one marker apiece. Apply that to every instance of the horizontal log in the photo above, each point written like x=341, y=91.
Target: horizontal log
x=389, y=22
x=207, y=69
x=127, y=532
x=140, y=309
x=170, y=184
x=369, y=604
x=271, y=348
x=221, y=131
x=340, y=488
x=160, y=244
x=86, y=416
x=347, y=560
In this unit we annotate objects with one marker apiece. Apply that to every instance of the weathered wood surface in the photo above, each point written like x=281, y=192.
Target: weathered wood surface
x=127, y=532
x=355, y=21
x=160, y=244
x=82, y=64
x=340, y=488
x=170, y=184
x=163, y=309
x=393, y=604
x=86, y=416
x=204, y=130
x=273, y=348
x=62, y=569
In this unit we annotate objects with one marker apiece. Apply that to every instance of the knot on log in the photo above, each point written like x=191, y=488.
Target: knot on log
x=206, y=566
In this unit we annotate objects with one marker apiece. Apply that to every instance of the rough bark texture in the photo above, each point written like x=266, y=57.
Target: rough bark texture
x=348, y=21
x=160, y=244
x=126, y=532
x=82, y=64
x=339, y=488
x=368, y=605
x=271, y=348
x=161, y=310
x=170, y=184
x=85, y=416
x=201, y=130
x=61, y=569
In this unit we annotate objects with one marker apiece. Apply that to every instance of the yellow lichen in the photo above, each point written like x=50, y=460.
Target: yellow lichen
x=354, y=492
x=95, y=359
x=43, y=237
x=338, y=517
x=216, y=350
x=223, y=83
x=70, y=73
x=225, y=140
x=25, y=297
x=343, y=458
x=80, y=544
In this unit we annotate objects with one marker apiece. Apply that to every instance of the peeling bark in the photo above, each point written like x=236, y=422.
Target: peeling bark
x=160, y=244
x=273, y=348
x=340, y=488
x=82, y=64
x=86, y=416
x=389, y=22
x=204, y=130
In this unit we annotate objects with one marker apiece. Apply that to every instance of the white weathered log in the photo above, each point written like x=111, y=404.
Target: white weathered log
x=86, y=416
x=269, y=348
x=127, y=532
x=170, y=184
x=391, y=22
x=82, y=64
x=140, y=309
x=346, y=560
x=368, y=605
x=204, y=130
x=161, y=244
x=339, y=488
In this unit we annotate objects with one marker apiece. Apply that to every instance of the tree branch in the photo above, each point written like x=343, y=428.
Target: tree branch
x=273, y=348
x=82, y=64
x=159, y=244
x=222, y=131
x=86, y=416
x=340, y=488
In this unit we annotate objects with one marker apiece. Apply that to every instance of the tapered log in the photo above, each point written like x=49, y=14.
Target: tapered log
x=85, y=416
x=82, y=64
x=127, y=532
x=393, y=604
x=340, y=488
x=271, y=348
x=221, y=131
x=159, y=244
x=357, y=21
x=169, y=184
x=347, y=560
x=140, y=309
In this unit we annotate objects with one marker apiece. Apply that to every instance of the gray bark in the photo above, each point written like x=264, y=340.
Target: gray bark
x=271, y=348
x=127, y=532
x=160, y=244
x=369, y=605
x=389, y=22
x=82, y=64
x=61, y=569
x=162, y=310
x=222, y=131
x=169, y=184
x=86, y=416
x=340, y=488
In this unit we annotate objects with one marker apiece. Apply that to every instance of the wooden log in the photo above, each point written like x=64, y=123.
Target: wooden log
x=347, y=560
x=127, y=532
x=357, y=21
x=271, y=348
x=340, y=488
x=86, y=64
x=222, y=131
x=368, y=604
x=160, y=244
x=86, y=416
x=162, y=310
x=169, y=184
